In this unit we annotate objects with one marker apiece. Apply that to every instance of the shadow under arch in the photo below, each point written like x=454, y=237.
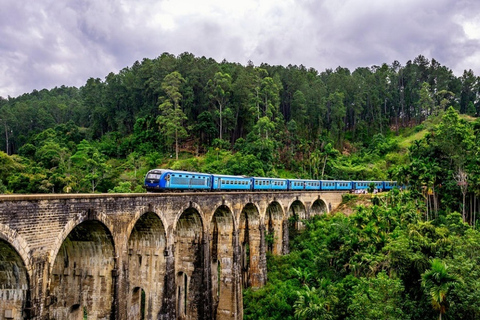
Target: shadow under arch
x=146, y=267
x=318, y=207
x=191, y=207
x=14, y=283
x=190, y=263
x=89, y=215
x=138, y=307
x=141, y=214
x=274, y=228
x=296, y=213
x=82, y=273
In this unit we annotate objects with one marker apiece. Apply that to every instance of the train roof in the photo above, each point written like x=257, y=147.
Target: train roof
x=228, y=176
x=179, y=171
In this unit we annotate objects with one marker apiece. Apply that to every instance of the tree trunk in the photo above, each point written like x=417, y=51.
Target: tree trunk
x=324, y=164
x=221, y=126
x=176, y=144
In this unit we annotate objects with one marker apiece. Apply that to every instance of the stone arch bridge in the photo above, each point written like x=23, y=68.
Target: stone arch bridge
x=142, y=256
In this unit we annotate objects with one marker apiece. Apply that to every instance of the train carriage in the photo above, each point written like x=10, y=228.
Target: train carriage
x=327, y=185
x=389, y=185
x=260, y=183
x=364, y=185
x=227, y=182
x=301, y=184
x=343, y=185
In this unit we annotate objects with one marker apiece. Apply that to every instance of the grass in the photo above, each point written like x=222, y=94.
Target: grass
x=405, y=142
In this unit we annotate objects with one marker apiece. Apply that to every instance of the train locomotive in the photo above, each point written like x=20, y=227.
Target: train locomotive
x=159, y=180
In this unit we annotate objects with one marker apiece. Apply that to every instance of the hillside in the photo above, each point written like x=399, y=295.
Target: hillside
x=225, y=118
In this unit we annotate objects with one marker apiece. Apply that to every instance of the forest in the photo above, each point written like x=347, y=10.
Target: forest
x=259, y=120
x=410, y=254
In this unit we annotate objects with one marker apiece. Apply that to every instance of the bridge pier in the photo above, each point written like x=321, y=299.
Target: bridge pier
x=141, y=256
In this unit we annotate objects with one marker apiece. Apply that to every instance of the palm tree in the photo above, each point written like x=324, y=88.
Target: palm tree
x=437, y=282
x=315, y=304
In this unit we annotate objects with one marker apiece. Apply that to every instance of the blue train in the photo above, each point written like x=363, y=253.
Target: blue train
x=158, y=180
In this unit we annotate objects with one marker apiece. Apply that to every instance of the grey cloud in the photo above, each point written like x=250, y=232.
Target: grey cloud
x=48, y=43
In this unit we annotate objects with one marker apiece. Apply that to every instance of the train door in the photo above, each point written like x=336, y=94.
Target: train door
x=167, y=180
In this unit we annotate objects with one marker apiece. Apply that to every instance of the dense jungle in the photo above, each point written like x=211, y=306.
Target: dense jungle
x=408, y=254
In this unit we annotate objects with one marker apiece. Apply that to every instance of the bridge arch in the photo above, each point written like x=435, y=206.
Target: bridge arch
x=18, y=243
x=82, y=276
x=318, y=207
x=139, y=214
x=188, y=208
x=146, y=267
x=222, y=232
x=15, y=281
x=274, y=216
x=191, y=276
x=88, y=215
x=296, y=213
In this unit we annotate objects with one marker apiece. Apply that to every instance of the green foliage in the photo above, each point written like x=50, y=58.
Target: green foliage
x=172, y=116
x=123, y=187
x=382, y=262
x=438, y=282
x=379, y=297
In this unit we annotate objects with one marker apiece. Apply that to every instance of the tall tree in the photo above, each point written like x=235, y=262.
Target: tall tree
x=172, y=117
x=438, y=282
x=221, y=87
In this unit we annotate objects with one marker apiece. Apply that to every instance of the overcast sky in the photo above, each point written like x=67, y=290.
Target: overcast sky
x=48, y=43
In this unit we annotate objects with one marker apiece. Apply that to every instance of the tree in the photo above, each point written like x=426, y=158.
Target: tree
x=220, y=86
x=426, y=103
x=338, y=113
x=172, y=117
x=89, y=168
x=314, y=304
x=438, y=282
x=462, y=181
